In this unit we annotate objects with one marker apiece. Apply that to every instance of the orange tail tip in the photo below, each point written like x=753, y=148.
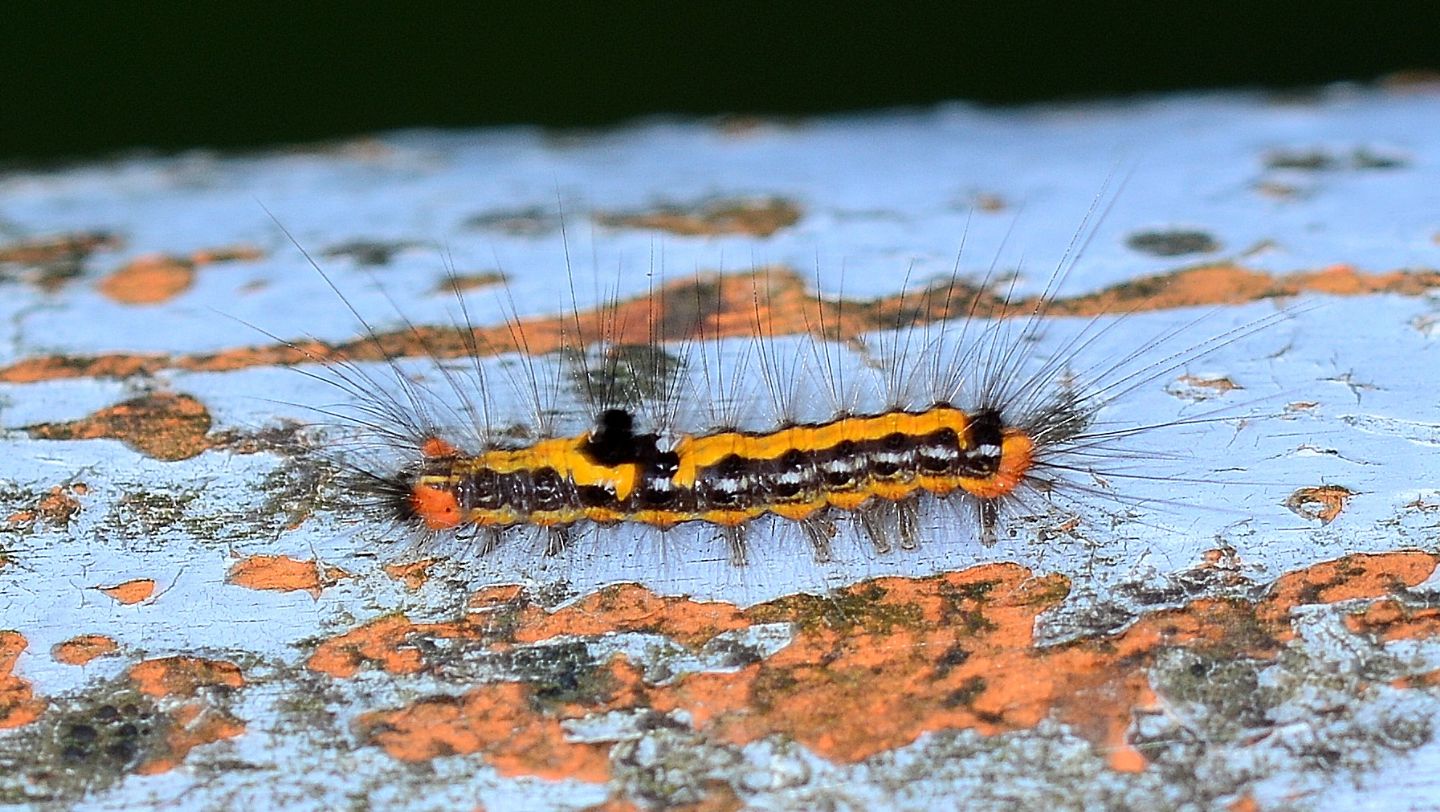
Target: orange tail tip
x=436, y=507
x=1017, y=456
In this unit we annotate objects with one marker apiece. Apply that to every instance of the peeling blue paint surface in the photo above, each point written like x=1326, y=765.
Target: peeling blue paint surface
x=1337, y=394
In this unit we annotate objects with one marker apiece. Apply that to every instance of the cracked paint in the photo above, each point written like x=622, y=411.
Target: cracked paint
x=872, y=667
x=787, y=307
x=1268, y=642
x=758, y=218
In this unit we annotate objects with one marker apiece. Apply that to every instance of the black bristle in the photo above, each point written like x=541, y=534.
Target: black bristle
x=386, y=496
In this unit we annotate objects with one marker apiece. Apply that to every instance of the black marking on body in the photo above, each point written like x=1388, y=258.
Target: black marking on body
x=981, y=457
x=732, y=483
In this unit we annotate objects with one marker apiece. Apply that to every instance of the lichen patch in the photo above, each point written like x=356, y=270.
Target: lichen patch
x=159, y=425
x=871, y=667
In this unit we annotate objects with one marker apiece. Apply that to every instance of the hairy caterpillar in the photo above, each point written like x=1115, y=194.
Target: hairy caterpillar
x=640, y=413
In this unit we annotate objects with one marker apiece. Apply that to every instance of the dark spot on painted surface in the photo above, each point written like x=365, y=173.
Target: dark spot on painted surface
x=1173, y=243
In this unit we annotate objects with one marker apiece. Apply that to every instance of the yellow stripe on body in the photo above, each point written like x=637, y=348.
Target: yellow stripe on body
x=566, y=457
x=697, y=453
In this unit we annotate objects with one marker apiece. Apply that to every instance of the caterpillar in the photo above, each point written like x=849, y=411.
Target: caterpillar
x=635, y=412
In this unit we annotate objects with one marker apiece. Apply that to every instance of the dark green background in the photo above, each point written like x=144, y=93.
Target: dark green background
x=93, y=78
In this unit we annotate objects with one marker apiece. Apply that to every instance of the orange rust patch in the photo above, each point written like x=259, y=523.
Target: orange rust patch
x=181, y=681
x=1221, y=385
x=1391, y=619
x=1126, y=759
x=380, y=642
x=61, y=248
x=192, y=725
x=18, y=705
x=56, y=508
x=182, y=676
x=413, y=574
x=615, y=804
x=282, y=573
x=163, y=426
x=1324, y=502
x=227, y=253
x=712, y=306
x=59, y=367
x=498, y=723
x=132, y=591
x=871, y=667
x=1120, y=754
x=632, y=608
x=756, y=217
x=1353, y=577
x=49, y=263
x=1223, y=565
x=1429, y=679
x=496, y=597
x=1232, y=284
x=719, y=797
x=715, y=306
x=1245, y=803
x=82, y=649
x=150, y=279
x=474, y=281
x=157, y=278
x=384, y=641
x=988, y=202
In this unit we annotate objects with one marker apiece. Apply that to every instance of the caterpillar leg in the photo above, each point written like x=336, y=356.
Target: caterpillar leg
x=989, y=514
x=484, y=539
x=875, y=521
x=907, y=521
x=818, y=531
x=557, y=539
x=734, y=536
